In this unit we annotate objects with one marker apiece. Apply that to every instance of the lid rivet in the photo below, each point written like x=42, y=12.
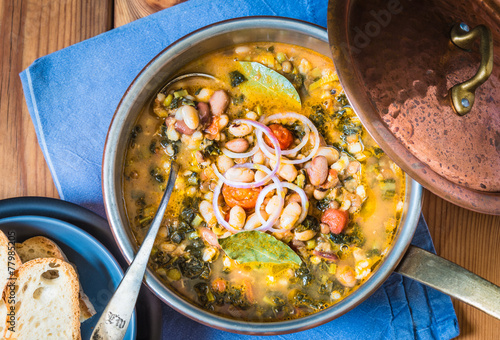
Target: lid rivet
x=464, y=27
x=465, y=102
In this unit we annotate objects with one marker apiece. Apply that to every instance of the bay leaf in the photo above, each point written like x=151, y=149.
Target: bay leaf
x=255, y=246
x=262, y=80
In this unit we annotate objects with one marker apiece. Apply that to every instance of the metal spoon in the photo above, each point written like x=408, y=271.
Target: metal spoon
x=113, y=323
x=184, y=76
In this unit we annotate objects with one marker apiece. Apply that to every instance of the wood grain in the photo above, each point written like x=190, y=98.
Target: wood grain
x=29, y=30
x=127, y=11
x=470, y=240
x=33, y=28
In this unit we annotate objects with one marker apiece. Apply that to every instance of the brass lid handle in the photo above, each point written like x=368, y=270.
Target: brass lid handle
x=463, y=95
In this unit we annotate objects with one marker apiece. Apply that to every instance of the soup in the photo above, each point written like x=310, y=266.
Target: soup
x=283, y=206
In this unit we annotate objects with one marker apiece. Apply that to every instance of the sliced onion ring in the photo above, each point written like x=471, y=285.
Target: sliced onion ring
x=218, y=215
x=305, y=205
x=274, y=217
x=264, y=180
x=289, y=115
x=217, y=191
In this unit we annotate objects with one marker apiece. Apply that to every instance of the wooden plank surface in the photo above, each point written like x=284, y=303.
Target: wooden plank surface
x=127, y=11
x=30, y=29
x=33, y=28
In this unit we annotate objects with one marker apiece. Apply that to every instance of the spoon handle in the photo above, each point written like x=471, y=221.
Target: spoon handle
x=113, y=323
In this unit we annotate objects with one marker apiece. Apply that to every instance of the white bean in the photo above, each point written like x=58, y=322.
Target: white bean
x=272, y=205
x=360, y=191
x=253, y=222
x=319, y=194
x=305, y=66
x=242, y=50
x=178, y=114
x=290, y=215
x=162, y=232
x=197, y=136
x=331, y=154
x=258, y=157
x=161, y=97
x=305, y=235
x=341, y=164
x=259, y=175
x=224, y=163
x=190, y=116
x=223, y=120
x=288, y=172
x=204, y=95
x=172, y=134
x=240, y=175
x=287, y=66
x=237, y=217
x=167, y=247
x=210, y=254
x=251, y=115
x=354, y=148
x=240, y=129
x=207, y=212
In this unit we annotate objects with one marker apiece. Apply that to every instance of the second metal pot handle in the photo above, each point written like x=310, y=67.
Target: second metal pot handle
x=463, y=95
x=451, y=279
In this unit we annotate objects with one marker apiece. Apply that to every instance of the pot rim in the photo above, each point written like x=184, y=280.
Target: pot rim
x=112, y=199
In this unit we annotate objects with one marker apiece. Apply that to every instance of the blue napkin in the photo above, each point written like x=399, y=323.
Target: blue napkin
x=72, y=95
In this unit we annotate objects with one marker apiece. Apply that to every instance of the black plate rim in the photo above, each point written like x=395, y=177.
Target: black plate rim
x=149, y=320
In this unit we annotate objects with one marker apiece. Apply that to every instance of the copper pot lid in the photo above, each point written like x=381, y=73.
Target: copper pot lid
x=398, y=63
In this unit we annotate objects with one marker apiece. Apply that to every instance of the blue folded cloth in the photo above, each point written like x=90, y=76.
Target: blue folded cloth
x=72, y=95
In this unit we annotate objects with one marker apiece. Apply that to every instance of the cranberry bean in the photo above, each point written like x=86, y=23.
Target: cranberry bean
x=219, y=102
x=318, y=171
x=181, y=127
x=204, y=114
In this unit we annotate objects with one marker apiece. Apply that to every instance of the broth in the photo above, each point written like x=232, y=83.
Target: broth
x=334, y=220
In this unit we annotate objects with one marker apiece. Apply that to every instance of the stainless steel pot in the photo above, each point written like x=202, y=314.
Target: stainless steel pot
x=417, y=263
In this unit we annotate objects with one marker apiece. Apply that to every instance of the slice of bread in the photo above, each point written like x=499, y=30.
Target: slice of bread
x=42, y=247
x=39, y=247
x=45, y=302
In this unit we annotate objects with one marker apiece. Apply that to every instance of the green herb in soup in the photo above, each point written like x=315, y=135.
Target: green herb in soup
x=284, y=204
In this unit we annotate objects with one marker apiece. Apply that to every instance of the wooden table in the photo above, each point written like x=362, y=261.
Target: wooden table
x=30, y=29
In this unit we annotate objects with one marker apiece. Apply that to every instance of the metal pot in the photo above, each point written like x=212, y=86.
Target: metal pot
x=164, y=67
x=424, y=78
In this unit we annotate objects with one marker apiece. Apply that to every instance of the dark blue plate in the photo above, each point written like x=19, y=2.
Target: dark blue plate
x=98, y=270
x=148, y=307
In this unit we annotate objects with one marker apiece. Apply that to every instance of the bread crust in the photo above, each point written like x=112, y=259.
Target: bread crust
x=44, y=287
x=39, y=247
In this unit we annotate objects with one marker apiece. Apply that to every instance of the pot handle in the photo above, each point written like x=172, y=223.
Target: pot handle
x=463, y=95
x=451, y=279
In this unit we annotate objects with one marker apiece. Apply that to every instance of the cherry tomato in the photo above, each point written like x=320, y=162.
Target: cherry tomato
x=245, y=198
x=219, y=285
x=336, y=219
x=284, y=136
